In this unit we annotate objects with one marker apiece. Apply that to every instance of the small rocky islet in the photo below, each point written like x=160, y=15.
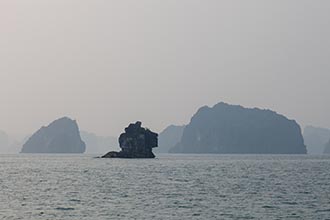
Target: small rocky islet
x=135, y=142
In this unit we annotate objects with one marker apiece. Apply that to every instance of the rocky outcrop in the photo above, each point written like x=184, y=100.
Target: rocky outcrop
x=168, y=138
x=136, y=142
x=315, y=139
x=61, y=136
x=234, y=129
x=327, y=148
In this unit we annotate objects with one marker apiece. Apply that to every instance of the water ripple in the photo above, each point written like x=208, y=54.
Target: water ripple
x=170, y=187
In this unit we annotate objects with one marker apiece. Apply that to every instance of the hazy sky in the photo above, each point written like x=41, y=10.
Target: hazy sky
x=107, y=63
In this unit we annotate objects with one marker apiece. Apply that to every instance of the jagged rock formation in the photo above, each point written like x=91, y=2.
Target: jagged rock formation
x=315, y=139
x=234, y=129
x=327, y=148
x=136, y=142
x=98, y=144
x=61, y=136
x=168, y=138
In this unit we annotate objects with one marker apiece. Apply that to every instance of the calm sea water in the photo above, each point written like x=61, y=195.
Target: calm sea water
x=170, y=187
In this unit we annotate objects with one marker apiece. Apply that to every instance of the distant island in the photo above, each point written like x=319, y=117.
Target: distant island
x=315, y=139
x=234, y=129
x=61, y=136
x=136, y=142
x=327, y=148
x=168, y=138
x=10, y=144
x=4, y=141
x=96, y=144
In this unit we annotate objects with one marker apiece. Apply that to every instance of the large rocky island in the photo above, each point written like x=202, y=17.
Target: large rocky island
x=61, y=136
x=136, y=142
x=234, y=129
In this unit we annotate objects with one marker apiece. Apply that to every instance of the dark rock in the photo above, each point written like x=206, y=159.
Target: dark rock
x=315, y=139
x=61, y=136
x=136, y=142
x=168, y=138
x=327, y=148
x=234, y=129
x=112, y=154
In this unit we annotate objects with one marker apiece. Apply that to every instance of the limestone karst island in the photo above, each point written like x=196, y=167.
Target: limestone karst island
x=233, y=129
x=136, y=142
x=61, y=136
x=220, y=129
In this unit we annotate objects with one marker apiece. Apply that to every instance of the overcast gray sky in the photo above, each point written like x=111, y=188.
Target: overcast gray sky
x=107, y=63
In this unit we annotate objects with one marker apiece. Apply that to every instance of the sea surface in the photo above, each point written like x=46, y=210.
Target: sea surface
x=169, y=187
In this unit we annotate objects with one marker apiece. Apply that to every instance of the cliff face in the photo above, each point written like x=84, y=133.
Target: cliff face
x=234, y=129
x=136, y=142
x=315, y=139
x=61, y=136
x=168, y=138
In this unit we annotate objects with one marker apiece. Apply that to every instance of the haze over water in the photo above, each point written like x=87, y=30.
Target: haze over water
x=108, y=63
